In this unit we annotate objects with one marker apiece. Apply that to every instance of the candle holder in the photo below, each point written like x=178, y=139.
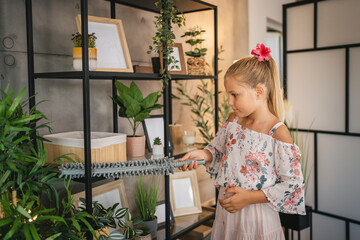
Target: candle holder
x=189, y=137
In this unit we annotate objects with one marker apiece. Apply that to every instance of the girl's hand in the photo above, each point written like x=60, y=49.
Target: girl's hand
x=236, y=202
x=196, y=154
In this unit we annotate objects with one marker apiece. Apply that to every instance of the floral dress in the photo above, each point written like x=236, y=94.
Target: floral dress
x=255, y=161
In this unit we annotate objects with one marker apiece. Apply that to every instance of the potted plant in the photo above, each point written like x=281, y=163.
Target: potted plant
x=30, y=205
x=196, y=61
x=134, y=107
x=164, y=36
x=77, y=51
x=158, y=147
x=146, y=202
x=127, y=226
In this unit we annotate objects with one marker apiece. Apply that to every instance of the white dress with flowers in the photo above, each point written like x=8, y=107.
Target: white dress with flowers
x=255, y=161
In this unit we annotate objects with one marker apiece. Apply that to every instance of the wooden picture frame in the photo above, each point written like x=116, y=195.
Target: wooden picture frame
x=161, y=215
x=154, y=127
x=179, y=55
x=184, y=193
x=106, y=194
x=112, y=49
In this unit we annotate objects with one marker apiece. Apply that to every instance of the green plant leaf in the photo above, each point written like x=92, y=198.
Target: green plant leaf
x=34, y=232
x=135, y=92
x=5, y=221
x=54, y=236
x=22, y=211
x=15, y=227
x=15, y=104
x=150, y=100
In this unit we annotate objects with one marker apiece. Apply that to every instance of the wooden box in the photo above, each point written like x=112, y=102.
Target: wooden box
x=105, y=147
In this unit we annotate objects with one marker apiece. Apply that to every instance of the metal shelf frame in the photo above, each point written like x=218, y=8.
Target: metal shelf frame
x=87, y=75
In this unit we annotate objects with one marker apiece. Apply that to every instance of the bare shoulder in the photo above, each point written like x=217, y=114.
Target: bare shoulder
x=231, y=117
x=282, y=134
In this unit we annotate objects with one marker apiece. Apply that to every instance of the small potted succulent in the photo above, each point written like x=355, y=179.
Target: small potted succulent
x=196, y=61
x=158, y=147
x=77, y=51
x=146, y=202
x=134, y=107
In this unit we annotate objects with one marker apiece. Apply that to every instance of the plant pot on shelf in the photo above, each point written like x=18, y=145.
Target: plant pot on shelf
x=77, y=58
x=196, y=66
x=152, y=225
x=156, y=64
x=158, y=150
x=295, y=221
x=147, y=237
x=135, y=146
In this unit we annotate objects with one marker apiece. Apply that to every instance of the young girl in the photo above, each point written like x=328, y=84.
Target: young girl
x=253, y=155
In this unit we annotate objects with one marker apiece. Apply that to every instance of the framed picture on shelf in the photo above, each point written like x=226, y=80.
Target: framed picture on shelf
x=161, y=214
x=112, y=49
x=184, y=193
x=153, y=128
x=179, y=66
x=107, y=194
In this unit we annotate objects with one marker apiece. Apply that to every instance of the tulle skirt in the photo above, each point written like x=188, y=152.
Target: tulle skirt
x=254, y=222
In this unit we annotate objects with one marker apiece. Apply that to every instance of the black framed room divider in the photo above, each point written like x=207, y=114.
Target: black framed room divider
x=321, y=80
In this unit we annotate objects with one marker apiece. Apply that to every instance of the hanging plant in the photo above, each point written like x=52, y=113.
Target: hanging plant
x=164, y=36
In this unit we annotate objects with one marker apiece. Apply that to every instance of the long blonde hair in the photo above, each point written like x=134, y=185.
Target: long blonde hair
x=254, y=72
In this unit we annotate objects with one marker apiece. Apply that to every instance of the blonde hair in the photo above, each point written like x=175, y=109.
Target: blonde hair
x=254, y=72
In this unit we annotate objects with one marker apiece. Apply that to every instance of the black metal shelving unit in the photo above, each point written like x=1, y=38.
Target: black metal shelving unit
x=186, y=6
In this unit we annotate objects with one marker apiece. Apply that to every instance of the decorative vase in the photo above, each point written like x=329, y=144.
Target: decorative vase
x=152, y=225
x=196, y=66
x=135, y=146
x=158, y=150
x=77, y=58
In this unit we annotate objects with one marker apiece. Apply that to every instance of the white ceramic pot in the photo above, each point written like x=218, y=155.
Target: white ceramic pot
x=158, y=150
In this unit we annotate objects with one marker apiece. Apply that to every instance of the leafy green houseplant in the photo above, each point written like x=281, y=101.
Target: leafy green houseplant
x=134, y=107
x=26, y=183
x=77, y=51
x=164, y=35
x=196, y=61
x=146, y=202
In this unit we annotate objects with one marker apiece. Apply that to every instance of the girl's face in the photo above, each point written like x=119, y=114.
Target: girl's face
x=241, y=97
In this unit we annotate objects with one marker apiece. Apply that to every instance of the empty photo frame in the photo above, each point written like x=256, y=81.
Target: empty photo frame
x=112, y=50
x=179, y=66
x=107, y=194
x=153, y=128
x=161, y=214
x=184, y=193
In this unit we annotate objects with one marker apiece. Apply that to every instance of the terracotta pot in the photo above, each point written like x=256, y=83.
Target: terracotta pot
x=135, y=146
x=77, y=58
x=196, y=66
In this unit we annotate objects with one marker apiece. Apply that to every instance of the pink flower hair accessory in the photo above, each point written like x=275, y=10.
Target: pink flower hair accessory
x=261, y=52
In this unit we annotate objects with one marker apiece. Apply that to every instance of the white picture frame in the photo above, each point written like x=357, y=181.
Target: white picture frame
x=112, y=49
x=184, y=193
x=106, y=194
x=153, y=128
x=161, y=214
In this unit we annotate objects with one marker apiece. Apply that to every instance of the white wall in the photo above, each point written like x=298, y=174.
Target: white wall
x=259, y=11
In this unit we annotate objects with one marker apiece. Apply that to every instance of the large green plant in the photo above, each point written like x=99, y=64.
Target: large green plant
x=26, y=183
x=146, y=199
x=132, y=104
x=164, y=35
